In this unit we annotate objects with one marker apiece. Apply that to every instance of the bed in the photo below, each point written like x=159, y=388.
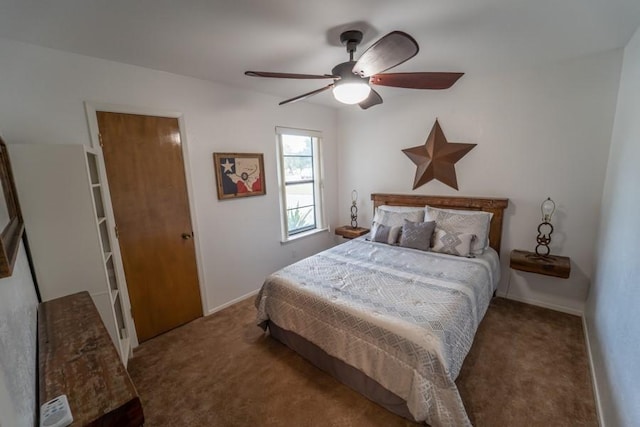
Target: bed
x=394, y=323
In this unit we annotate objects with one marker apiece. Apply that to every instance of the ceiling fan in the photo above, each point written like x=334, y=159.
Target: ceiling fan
x=352, y=80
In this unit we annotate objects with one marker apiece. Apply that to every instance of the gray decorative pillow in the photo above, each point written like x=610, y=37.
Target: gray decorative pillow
x=452, y=242
x=463, y=221
x=417, y=235
x=385, y=234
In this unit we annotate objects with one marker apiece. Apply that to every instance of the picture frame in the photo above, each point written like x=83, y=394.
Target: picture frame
x=239, y=175
x=11, y=222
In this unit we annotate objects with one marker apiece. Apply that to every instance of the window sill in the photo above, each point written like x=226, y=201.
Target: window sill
x=305, y=234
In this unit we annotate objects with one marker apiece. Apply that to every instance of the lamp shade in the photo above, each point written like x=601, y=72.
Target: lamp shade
x=351, y=92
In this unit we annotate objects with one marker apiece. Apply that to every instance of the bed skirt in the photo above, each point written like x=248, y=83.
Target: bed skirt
x=346, y=374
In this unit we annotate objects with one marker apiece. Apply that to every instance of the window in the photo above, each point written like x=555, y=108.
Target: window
x=300, y=173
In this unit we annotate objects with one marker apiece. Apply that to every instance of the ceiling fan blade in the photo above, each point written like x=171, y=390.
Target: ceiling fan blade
x=416, y=80
x=391, y=50
x=306, y=95
x=289, y=75
x=374, y=98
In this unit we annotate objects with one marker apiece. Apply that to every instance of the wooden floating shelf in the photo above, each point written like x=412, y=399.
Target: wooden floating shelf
x=551, y=265
x=349, y=232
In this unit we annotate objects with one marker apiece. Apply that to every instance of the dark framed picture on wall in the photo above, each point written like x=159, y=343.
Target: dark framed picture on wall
x=239, y=174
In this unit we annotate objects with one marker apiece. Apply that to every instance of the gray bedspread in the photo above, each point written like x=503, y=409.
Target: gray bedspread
x=404, y=317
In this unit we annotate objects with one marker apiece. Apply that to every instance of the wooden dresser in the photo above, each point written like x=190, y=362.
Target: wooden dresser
x=78, y=358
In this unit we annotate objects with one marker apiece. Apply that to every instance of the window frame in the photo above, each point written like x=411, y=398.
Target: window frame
x=318, y=183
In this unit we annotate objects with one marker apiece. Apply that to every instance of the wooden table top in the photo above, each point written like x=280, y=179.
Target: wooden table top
x=77, y=358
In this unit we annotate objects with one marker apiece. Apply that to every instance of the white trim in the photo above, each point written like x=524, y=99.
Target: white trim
x=281, y=190
x=594, y=378
x=551, y=306
x=303, y=235
x=318, y=160
x=299, y=132
x=91, y=108
x=186, y=159
x=318, y=182
x=233, y=301
x=116, y=255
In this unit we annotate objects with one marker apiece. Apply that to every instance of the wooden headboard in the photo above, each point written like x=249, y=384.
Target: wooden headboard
x=495, y=206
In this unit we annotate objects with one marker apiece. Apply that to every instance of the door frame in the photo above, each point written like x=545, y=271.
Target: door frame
x=91, y=108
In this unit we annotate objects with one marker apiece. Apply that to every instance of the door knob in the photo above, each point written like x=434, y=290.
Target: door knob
x=186, y=236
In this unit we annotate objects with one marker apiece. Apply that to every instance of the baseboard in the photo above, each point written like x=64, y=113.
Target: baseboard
x=594, y=381
x=556, y=307
x=233, y=301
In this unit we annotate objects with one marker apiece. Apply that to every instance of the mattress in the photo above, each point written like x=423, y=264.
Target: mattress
x=403, y=317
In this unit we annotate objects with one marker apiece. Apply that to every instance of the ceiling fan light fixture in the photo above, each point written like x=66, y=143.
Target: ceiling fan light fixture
x=351, y=79
x=351, y=92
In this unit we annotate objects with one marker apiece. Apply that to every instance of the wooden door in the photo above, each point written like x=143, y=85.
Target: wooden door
x=145, y=170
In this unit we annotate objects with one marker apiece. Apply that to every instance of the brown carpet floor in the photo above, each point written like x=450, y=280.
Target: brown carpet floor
x=528, y=367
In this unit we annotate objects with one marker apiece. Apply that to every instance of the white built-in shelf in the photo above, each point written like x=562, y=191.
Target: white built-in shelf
x=73, y=244
x=125, y=345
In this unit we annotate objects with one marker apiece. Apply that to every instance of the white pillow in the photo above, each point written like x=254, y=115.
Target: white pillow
x=394, y=216
x=463, y=221
x=452, y=242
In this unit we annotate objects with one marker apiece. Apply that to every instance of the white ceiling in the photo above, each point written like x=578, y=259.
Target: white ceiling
x=218, y=40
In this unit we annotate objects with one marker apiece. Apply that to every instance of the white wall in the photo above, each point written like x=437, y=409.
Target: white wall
x=42, y=102
x=540, y=132
x=612, y=316
x=18, y=358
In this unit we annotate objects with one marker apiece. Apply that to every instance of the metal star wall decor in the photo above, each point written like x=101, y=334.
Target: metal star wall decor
x=436, y=159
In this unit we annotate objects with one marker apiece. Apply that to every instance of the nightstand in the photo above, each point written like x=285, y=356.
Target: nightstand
x=348, y=232
x=551, y=265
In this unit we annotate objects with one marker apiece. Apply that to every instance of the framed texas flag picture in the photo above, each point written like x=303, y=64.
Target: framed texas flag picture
x=239, y=174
